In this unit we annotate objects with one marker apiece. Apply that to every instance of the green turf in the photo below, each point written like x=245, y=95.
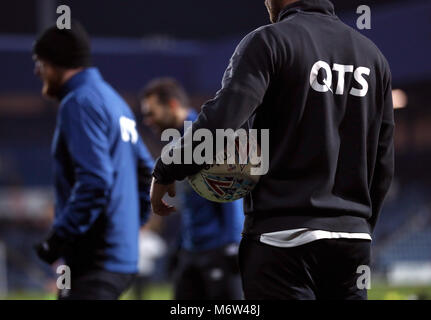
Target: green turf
x=164, y=292
x=30, y=295
x=154, y=292
x=384, y=292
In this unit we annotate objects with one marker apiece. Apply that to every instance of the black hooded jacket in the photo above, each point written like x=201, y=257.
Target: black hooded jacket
x=324, y=92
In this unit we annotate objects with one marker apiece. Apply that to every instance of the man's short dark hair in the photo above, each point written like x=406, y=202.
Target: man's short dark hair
x=165, y=89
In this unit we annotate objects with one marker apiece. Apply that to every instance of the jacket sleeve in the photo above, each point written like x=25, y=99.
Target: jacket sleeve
x=145, y=167
x=86, y=133
x=384, y=166
x=244, y=85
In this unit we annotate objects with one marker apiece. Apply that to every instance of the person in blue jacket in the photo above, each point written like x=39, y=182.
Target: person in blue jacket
x=206, y=266
x=101, y=171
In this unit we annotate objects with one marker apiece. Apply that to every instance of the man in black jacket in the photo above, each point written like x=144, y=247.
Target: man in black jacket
x=324, y=92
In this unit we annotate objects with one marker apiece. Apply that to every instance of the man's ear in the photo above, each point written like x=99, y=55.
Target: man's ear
x=143, y=106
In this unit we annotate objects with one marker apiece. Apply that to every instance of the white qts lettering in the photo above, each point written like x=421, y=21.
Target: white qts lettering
x=326, y=83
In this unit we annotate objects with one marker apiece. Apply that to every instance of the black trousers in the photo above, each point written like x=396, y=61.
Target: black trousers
x=96, y=285
x=207, y=275
x=323, y=269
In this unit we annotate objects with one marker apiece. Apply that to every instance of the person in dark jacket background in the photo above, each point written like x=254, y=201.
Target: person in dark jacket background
x=324, y=92
x=206, y=265
x=102, y=170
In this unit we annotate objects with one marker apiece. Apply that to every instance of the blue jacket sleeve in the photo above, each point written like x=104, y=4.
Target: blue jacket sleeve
x=145, y=167
x=85, y=130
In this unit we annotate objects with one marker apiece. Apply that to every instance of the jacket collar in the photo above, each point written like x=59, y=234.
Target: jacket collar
x=191, y=116
x=86, y=75
x=317, y=6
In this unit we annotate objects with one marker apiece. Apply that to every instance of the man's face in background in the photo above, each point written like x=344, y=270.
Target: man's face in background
x=51, y=77
x=158, y=115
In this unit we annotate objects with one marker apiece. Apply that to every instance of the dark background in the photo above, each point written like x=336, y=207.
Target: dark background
x=189, y=19
x=135, y=41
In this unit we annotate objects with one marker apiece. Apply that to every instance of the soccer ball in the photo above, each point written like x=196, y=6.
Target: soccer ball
x=224, y=182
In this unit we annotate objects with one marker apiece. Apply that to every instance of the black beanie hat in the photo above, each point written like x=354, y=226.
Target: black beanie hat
x=68, y=48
